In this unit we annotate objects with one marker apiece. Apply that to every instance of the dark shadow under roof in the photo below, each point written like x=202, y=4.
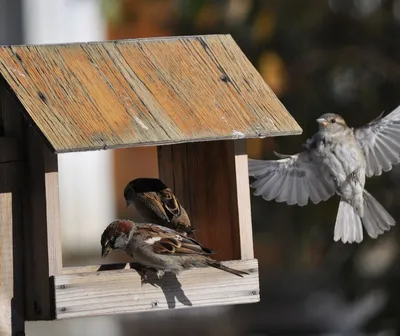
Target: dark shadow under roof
x=89, y=96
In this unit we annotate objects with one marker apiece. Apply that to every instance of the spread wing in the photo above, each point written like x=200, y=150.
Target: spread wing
x=293, y=179
x=380, y=140
x=153, y=201
x=166, y=241
x=170, y=202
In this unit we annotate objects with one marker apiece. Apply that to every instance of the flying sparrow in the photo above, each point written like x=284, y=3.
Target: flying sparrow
x=158, y=247
x=157, y=204
x=336, y=160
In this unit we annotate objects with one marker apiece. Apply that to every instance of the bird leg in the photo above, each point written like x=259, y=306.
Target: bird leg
x=160, y=273
x=142, y=271
x=354, y=176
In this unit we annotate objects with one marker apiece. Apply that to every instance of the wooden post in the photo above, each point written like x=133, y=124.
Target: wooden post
x=11, y=243
x=209, y=180
x=243, y=205
x=39, y=204
x=42, y=227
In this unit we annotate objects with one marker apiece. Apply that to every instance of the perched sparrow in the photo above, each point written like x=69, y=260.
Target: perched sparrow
x=336, y=160
x=158, y=247
x=156, y=203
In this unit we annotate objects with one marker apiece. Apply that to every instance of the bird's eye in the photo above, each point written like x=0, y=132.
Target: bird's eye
x=333, y=121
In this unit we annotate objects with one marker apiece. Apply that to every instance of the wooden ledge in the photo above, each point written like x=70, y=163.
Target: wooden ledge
x=121, y=292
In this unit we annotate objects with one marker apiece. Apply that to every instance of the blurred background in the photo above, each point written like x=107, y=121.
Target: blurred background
x=340, y=56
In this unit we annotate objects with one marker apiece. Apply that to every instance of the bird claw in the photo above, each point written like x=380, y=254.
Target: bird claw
x=160, y=274
x=142, y=271
x=354, y=176
x=143, y=278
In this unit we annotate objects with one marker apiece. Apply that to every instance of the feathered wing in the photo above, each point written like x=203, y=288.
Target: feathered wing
x=170, y=202
x=380, y=140
x=293, y=179
x=154, y=203
x=166, y=241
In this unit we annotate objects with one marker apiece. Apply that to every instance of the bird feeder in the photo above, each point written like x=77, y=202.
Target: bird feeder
x=196, y=98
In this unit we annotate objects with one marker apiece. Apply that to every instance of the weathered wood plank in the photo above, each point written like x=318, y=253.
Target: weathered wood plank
x=143, y=92
x=42, y=226
x=243, y=205
x=94, y=268
x=202, y=175
x=11, y=239
x=117, y=292
x=6, y=261
x=11, y=250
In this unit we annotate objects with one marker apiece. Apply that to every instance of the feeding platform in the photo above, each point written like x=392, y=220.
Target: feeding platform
x=196, y=98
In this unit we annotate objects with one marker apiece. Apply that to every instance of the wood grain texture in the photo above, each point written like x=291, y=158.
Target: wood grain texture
x=42, y=227
x=6, y=260
x=203, y=177
x=11, y=237
x=116, y=292
x=243, y=200
x=143, y=92
x=95, y=268
x=11, y=251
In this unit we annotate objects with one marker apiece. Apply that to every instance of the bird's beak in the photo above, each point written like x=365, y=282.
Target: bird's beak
x=105, y=251
x=129, y=203
x=322, y=122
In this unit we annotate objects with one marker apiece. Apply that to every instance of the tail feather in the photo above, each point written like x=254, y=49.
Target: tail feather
x=216, y=264
x=348, y=226
x=376, y=219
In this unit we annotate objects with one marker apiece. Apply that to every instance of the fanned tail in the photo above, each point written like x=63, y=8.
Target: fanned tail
x=348, y=226
x=376, y=219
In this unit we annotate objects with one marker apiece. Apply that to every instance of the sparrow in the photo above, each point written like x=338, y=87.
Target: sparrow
x=157, y=204
x=336, y=160
x=158, y=247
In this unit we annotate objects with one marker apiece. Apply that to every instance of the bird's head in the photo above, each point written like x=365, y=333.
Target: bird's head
x=129, y=193
x=142, y=185
x=332, y=123
x=116, y=236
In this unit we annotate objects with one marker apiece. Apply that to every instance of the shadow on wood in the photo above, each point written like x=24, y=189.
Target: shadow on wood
x=90, y=293
x=169, y=284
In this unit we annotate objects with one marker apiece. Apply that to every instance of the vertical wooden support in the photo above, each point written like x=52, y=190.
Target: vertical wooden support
x=11, y=240
x=208, y=179
x=243, y=200
x=40, y=208
x=43, y=256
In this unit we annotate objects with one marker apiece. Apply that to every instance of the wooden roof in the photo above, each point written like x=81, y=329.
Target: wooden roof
x=99, y=95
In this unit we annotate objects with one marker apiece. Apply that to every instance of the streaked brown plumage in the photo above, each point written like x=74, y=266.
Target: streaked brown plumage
x=159, y=247
x=157, y=204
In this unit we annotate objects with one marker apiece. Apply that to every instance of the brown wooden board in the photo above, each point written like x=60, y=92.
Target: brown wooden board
x=205, y=176
x=42, y=225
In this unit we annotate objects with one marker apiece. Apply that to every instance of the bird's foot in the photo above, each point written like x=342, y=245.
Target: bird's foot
x=142, y=271
x=354, y=176
x=160, y=274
